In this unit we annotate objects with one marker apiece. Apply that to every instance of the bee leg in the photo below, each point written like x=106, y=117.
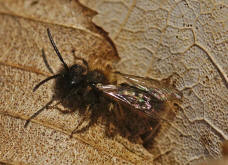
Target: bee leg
x=85, y=117
x=118, y=111
x=112, y=107
x=62, y=110
x=151, y=134
x=121, y=112
x=62, y=100
x=120, y=117
x=111, y=131
x=145, y=132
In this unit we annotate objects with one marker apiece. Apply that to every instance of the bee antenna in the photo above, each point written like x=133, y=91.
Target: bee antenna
x=56, y=49
x=46, y=62
x=44, y=81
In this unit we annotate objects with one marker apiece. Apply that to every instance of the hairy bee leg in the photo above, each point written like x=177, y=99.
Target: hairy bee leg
x=121, y=112
x=120, y=116
x=111, y=127
x=151, y=134
x=64, y=98
x=61, y=110
x=118, y=111
x=137, y=136
x=85, y=116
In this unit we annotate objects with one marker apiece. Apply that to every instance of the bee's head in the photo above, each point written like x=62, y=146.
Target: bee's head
x=68, y=77
x=71, y=77
x=76, y=74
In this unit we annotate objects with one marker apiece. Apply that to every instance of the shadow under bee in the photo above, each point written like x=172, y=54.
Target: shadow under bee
x=134, y=108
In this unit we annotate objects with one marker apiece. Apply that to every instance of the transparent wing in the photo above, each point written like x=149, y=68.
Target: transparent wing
x=162, y=90
x=151, y=97
x=135, y=99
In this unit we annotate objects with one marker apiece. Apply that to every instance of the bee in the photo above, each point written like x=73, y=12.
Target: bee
x=82, y=86
x=152, y=101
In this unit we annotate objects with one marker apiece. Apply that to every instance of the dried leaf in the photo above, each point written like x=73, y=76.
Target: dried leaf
x=187, y=40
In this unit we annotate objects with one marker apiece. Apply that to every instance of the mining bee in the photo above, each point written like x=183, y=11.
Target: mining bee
x=146, y=100
x=150, y=100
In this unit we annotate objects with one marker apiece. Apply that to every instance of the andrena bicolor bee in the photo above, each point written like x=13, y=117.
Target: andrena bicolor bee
x=78, y=84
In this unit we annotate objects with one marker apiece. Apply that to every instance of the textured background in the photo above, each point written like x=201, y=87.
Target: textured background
x=187, y=40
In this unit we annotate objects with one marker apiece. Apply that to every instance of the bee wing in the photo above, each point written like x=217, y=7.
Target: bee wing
x=160, y=89
x=139, y=81
x=135, y=99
